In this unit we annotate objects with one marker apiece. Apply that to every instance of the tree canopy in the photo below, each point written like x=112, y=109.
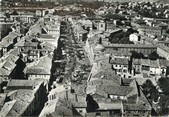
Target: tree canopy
x=137, y=55
x=153, y=56
x=150, y=90
x=121, y=37
x=164, y=85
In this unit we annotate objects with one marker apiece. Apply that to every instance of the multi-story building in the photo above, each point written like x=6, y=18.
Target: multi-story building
x=121, y=66
x=23, y=18
x=151, y=67
x=40, y=70
x=140, y=48
x=163, y=51
x=25, y=96
x=152, y=30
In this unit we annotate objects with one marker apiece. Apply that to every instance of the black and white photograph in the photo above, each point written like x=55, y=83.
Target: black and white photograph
x=84, y=58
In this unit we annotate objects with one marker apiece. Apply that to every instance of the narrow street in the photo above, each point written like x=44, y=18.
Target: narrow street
x=63, y=64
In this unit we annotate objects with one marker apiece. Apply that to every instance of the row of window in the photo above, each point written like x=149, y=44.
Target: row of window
x=120, y=66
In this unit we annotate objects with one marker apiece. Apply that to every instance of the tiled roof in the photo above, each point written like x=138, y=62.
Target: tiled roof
x=154, y=64
x=116, y=90
x=30, y=44
x=79, y=104
x=119, y=61
x=135, y=107
x=46, y=36
x=2, y=98
x=4, y=43
x=37, y=71
x=49, y=108
x=140, y=104
x=65, y=108
x=4, y=72
x=12, y=57
x=163, y=63
x=47, y=46
x=11, y=36
x=136, y=61
x=9, y=65
x=20, y=43
x=127, y=80
x=110, y=106
x=35, y=29
x=163, y=47
x=6, y=108
x=23, y=100
x=117, y=52
x=137, y=101
x=145, y=62
x=130, y=46
x=108, y=75
x=151, y=27
x=15, y=83
x=43, y=67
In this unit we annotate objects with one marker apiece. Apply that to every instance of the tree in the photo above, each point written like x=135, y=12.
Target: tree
x=14, y=12
x=121, y=37
x=150, y=90
x=136, y=55
x=164, y=104
x=164, y=85
x=153, y=56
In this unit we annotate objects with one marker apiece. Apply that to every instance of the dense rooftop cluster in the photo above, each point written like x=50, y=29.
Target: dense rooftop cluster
x=74, y=60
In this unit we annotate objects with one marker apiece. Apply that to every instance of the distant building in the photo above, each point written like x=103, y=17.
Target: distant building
x=8, y=42
x=23, y=18
x=80, y=33
x=6, y=26
x=165, y=43
x=110, y=26
x=100, y=25
x=52, y=39
x=151, y=30
x=140, y=48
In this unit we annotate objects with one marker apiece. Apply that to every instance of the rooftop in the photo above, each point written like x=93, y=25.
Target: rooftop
x=24, y=83
x=109, y=106
x=6, y=108
x=2, y=99
x=46, y=36
x=130, y=46
x=151, y=27
x=42, y=67
x=23, y=100
x=119, y=61
x=107, y=75
x=116, y=90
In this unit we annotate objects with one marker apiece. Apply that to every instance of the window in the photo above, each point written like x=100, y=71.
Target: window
x=125, y=65
x=101, y=25
x=80, y=111
x=125, y=71
x=98, y=115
